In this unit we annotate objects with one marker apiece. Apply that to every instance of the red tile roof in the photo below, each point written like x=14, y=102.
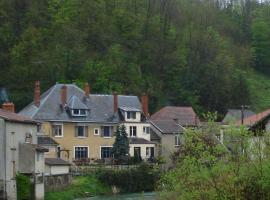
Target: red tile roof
x=10, y=116
x=185, y=116
x=254, y=119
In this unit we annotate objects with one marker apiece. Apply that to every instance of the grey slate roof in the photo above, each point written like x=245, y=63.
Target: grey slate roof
x=139, y=141
x=100, y=106
x=76, y=103
x=234, y=115
x=167, y=126
x=46, y=140
x=56, y=161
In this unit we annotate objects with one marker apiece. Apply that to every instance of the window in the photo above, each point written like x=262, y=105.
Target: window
x=150, y=152
x=81, y=152
x=79, y=112
x=131, y=115
x=177, y=140
x=81, y=131
x=58, y=152
x=146, y=129
x=106, y=152
x=96, y=131
x=133, y=131
x=106, y=131
x=57, y=130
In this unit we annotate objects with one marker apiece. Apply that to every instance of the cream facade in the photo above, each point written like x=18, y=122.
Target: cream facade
x=69, y=142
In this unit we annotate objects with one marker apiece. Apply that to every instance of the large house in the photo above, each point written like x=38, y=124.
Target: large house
x=168, y=125
x=83, y=124
x=19, y=153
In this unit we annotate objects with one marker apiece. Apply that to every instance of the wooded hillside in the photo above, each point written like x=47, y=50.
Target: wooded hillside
x=210, y=54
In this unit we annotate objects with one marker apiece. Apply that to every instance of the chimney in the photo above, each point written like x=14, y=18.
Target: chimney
x=64, y=95
x=86, y=89
x=115, y=102
x=37, y=94
x=144, y=102
x=8, y=107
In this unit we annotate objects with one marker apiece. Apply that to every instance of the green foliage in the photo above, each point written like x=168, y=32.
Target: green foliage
x=139, y=179
x=238, y=168
x=120, y=148
x=24, y=187
x=180, y=52
x=82, y=186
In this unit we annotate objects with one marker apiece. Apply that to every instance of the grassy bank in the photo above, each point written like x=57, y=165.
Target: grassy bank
x=82, y=186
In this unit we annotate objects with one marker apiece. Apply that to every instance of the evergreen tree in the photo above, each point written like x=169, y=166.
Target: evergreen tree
x=121, y=145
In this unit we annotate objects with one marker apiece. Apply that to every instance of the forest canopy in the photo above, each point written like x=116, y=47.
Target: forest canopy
x=202, y=53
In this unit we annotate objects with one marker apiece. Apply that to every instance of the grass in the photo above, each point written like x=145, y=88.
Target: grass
x=82, y=186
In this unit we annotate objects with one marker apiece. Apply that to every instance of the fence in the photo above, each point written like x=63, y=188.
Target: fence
x=80, y=170
x=57, y=182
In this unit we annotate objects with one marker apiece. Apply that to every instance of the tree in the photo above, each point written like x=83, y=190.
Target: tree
x=120, y=148
x=238, y=168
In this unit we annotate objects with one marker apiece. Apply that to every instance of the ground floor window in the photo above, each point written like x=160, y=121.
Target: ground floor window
x=150, y=152
x=137, y=152
x=106, y=152
x=81, y=152
x=177, y=140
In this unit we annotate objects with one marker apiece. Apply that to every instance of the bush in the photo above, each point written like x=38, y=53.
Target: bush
x=140, y=179
x=24, y=187
x=208, y=170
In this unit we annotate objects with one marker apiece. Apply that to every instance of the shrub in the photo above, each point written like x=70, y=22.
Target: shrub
x=139, y=179
x=24, y=187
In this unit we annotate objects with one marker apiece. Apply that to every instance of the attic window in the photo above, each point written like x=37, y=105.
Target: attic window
x=79, y=112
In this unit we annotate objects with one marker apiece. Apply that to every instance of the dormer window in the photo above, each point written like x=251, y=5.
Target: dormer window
x=131, y=115
x=79, y=112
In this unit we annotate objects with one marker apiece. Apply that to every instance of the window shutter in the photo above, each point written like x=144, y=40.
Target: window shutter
x=102, y=131
x=53, y=130
x=86, y=131
x=76, y=131
x=111, y=133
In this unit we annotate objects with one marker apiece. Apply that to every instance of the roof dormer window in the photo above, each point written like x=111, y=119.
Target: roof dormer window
x=79, y=112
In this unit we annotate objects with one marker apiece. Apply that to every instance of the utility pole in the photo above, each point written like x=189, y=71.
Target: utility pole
x=242, y=113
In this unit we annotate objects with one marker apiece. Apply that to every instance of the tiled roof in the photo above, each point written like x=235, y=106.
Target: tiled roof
x=234, y=115
x=10, y=116
x=254, y=119
x=185, y=116
x=46, y=140
x=167, y=126
x=101, y=106
x=56, y=161
x=139, y=141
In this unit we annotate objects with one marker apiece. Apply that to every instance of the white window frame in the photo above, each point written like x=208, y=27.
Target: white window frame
x=98, y=130
x=74, y=151
x=111, y=132
x=84, y=128
x=79, y=115
x=62, y=128
x=133, y=115
x=178, y=140
x=145, y=128
x=100, y=150
x=132, y=135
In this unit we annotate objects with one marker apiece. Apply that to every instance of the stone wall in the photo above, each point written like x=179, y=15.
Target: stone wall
x=57, y=182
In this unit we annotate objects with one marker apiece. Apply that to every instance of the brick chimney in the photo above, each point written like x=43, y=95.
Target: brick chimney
x=144, y=102
x=87, y=89
x=8, y=107
x=115, y=102
x=37, y=94
x=64, y=95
